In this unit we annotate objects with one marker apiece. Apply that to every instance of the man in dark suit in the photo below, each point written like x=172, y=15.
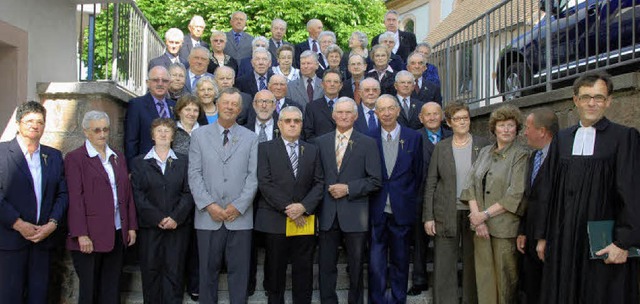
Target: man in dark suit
x=357, y=65
x=318, y=114
x=198, y=63
x=278, y=86
x=423, y=89
x=409, y=106
x=196, y=29
x=367, y=122
x=308, y=87
x=278, y=30
x=392, y=209
x=33, y=200
x=245, y=65
x=432, y=133
x=256, y=81
x=314, y=27
x=173, y=39
x=291, y=186
x=238, y=42
x=225, y=78
x=325, y=39
x=141, y=111
x=540, y=128
x=352, y=172
x=405, y=41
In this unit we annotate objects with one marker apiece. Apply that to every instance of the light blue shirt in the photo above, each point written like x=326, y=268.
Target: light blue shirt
x=35, y=167
x=111, y=174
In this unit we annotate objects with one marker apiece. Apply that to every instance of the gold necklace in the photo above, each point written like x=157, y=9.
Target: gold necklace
x=462, y=143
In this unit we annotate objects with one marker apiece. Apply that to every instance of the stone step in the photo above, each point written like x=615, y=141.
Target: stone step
x=260, y=298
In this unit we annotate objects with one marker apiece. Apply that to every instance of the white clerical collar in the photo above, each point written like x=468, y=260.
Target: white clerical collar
x=584, y=141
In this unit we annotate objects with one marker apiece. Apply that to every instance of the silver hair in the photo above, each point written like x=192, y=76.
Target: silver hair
x=391, y=12
x=345, y=99
x=386, y=36
x=370, y=79
x=233, y=72
x=383, y=96
x=312, y=21
x=238, y=12
x=200, y=48
x=210, y=80
x=259, y=38
x=333, y=49
x=403, y=73
x=178, y=65
x=93, y=116
x=362, y=37
x=327, y=33
x=261, y=50
x=416, y=53
x=196, y=18
x=380, y=46
x=174, y=33
x=309, y=53
x=292, y=109
x=424, y=44
x=278, y=20
x=216, y=33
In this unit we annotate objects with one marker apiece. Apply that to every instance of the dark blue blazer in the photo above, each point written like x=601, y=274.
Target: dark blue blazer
x=413, y=120
x=429, y=92
x=165, y=61
x=244, y=67
x=141, y=111
x=185, y=50
x=17, y=198
x=247, y=83
x=318, y=119
x=403, y=183
x=361, y=125
x=299, y=48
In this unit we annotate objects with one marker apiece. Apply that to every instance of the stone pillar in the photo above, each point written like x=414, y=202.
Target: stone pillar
x=66, y=104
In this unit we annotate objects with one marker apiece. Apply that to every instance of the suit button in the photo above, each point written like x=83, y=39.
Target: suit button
x=225, y=180
x=488, y=192
x=488, y=173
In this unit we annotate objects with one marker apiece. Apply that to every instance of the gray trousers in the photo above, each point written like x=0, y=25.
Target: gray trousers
x=447, y=250
x=213, y=246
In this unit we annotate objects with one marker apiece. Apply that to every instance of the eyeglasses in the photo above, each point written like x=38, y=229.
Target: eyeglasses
x=159, y=80
x=98, y=130
x=33, y=123
x=291, y=120
x=264, y=101
x=596, y=98
x=460, y=118
x=218, y=40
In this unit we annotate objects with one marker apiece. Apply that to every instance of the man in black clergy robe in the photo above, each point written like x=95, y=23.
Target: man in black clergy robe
x=291, y=184
x=593, y=175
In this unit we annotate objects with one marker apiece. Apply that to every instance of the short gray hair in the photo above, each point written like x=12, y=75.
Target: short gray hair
x=178, y=65
x=200, y=48
x=259, y=38
x=403, y=73
x=238, y=12
x=333, y=49
x=174, y=33
x=218, y=33
x=278, y=20
x=346, y=99
x=387, y=36
x=389, y=96
x=261, y=50
x=391, y=12
x=93, y=116
x=327, y=33
x=309, y=53
x=210, y=80
x=312, y=21
x=424, y=44
x=292, y=109
x=362, y=37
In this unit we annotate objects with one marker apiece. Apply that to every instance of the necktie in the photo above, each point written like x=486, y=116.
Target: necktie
x=278, y=107
x=263, y=85
x=278, y=45
x=434, y=138
x=161, y=110
x=315, y=46
x=225, y=139
x=417, y=87
x=389, y=138
x=537, y=162
x=342, y=145
x=371, y=122
x=330, y=103
x=310, y=89
x=194, y=82
x=293, y=157
x=262, y=136
x=356, y=91
x=236, y=37
x=197, y=43
x=405, y=106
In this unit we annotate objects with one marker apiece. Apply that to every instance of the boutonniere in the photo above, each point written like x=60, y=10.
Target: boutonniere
x=44, y=157
x=277, y=131
x=170, y=161
x=234, y=140
x=170, y=110
x=413, y=106
x=301, y=150
x=115, y=159
x=402, y=144
x=350, y=144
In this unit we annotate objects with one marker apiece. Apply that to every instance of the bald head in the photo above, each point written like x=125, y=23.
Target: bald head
x=431, y=116
x=224, y=77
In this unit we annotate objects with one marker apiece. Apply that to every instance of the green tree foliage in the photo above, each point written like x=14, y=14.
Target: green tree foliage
x=340, y=16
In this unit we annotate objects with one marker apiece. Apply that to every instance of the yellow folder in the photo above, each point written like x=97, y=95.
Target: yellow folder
x=307, y=229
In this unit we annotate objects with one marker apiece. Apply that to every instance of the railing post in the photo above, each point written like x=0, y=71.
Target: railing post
x=547, y=18
x=145, y=48
x=114, y=42
x=487, y=59
x=91, y=46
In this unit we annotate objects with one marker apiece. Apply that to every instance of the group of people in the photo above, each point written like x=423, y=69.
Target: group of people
x=232, y=149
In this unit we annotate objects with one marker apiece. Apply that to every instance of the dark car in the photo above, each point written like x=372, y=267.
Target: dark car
x=584, y=35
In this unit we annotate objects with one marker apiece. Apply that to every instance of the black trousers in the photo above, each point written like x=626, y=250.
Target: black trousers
x=192, y=268
x=279, y=250
x=420, y=247
x=530, y=280
x=99, y=274
x=24, y=275
x=355, y=243
x=162, y=262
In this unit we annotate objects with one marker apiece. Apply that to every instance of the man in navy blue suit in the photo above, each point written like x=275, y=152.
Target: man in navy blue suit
x=314, y=27
x=173, y=38
x=141, y=111
x=33, y=200
x=367, y=121
x=393, y=209
x=258, y=79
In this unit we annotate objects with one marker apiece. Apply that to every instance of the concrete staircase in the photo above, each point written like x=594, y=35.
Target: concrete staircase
x=132, y=285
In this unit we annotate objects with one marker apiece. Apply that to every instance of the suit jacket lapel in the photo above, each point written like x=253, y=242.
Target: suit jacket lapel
x=96, y=164
x=284, y=153
x=353, y=141
x=18, y=158
x=44, y=164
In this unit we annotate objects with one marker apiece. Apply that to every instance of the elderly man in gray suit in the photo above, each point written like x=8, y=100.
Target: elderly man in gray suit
x=222, y=175
x=238, y=41
x=351, y=165
x=308, y=87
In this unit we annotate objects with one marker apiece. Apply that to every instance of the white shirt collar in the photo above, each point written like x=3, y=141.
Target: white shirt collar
x=181, y=126
x=152, y=154
x=394, y=133
x=23, y=146
x=584, y=142
x=93, y=152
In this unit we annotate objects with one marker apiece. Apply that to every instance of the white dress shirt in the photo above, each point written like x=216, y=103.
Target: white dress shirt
x=35, y=168
x=111, y=174
x=268, y=128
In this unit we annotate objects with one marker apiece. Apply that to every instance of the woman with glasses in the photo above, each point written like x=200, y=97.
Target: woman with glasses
x=102, y=216
x=178, y=76
x=494, y=191
x=285, y=59
x=218, y=57
x=445, y=217
x=165, y=215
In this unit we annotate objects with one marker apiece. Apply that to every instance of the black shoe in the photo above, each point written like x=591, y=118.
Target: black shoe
x=194, y=297
x=416, y=290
